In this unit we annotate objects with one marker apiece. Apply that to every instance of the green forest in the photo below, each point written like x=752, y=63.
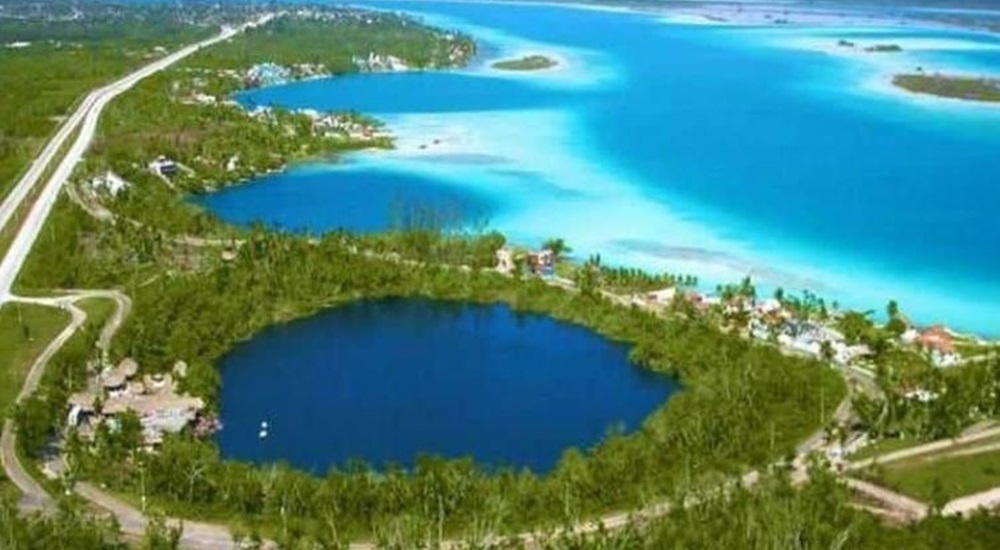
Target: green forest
x=967, y=88
x=199, y=287
x=772, y=516
x=220, y=144
x=333, y=38
x=744, y=406
x=64, y=59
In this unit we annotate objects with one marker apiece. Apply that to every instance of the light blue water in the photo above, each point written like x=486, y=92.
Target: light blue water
x=386, y=381
x=716, y=150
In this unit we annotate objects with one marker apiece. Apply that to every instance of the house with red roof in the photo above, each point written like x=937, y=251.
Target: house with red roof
x=939, y=342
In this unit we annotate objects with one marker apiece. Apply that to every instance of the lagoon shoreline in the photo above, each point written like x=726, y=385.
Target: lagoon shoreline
x=465, y=140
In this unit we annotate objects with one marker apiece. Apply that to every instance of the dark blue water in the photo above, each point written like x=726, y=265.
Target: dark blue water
x=711, y=140
x=365, y=201
x=386, y=381
x=407, y=93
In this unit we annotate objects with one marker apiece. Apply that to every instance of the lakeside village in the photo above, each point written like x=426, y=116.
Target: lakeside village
x=797, y=330
x=275, y=74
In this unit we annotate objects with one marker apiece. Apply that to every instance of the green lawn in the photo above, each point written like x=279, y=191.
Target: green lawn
x=25, y=330
x=946, y=477
x=98, y=311
x=886, y=446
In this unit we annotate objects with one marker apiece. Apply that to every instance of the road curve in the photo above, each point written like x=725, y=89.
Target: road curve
x=34, y=496
x=987, y=500
x=912, y=509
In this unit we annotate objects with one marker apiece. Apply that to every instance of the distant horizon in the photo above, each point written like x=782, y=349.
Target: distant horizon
x=986, y=5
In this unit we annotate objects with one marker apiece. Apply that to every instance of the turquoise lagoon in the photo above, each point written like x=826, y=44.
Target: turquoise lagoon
x=721, y=151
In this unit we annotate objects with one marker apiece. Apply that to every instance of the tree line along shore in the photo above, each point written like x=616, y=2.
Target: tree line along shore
x=964, y=88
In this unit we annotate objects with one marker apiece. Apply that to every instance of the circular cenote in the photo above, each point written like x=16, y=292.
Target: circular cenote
x=384, y=381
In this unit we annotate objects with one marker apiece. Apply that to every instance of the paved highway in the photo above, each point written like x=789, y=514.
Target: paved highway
x=37, y=168
x=85, y=117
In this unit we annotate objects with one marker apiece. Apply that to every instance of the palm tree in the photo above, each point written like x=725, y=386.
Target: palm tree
x=557, y=246
x=892, y=309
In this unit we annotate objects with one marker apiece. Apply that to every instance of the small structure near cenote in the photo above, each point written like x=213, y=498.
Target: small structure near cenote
x=153, y=398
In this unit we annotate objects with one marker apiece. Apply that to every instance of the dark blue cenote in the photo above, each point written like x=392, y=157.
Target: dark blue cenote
x=386, y=381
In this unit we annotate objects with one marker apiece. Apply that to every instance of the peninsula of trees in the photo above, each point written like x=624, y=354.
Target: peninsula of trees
x=955, y=87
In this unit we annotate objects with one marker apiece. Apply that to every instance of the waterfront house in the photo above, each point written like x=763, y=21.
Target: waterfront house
x=938, y=342
x=702, y=302
x=844, y=354
x=154, y=399
x=163, y=167
x=909, y=336
x=202, y=99
x=109, y=182
x=159, y=412
x=266, y=74
x=542, y=263
x=505, y=261
x=936, y=338
x=770, y=306
x=380, y=63
x=662, y=296
x=115, y=381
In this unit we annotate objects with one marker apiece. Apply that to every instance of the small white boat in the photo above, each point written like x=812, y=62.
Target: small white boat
x=262, y=434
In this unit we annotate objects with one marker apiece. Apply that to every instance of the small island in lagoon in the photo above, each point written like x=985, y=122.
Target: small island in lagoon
x=527, y=63
x=884, y=48
x=877, y=48
x=956, y=87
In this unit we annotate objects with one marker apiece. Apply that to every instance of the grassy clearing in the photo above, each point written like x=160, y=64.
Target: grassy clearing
x=10, y=231
x=886, y=446
x=937, y=481
x=25, y=330
x=98, y=310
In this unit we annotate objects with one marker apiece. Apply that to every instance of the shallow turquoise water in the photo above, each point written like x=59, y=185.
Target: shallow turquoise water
x=715, y=150
x=385, y=381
